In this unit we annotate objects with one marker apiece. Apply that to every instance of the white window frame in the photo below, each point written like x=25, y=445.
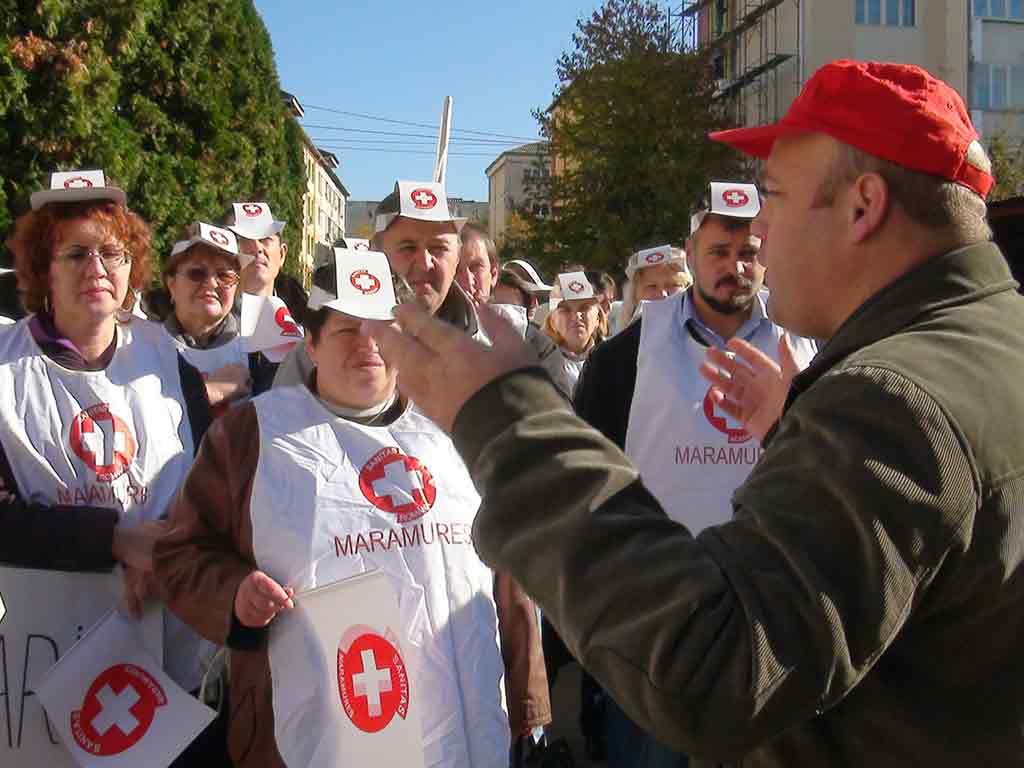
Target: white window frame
x=861, y=10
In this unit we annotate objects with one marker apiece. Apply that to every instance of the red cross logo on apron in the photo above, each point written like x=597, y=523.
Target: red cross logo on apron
x=722, y=422
x=398, y=484
x=373, y=682
x=103, y=441
x=118, y=710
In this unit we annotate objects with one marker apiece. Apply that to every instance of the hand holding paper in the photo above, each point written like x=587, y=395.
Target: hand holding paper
x=259, y=599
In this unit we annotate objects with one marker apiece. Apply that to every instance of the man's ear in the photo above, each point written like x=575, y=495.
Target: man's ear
x=867, y=206
x=284, y=251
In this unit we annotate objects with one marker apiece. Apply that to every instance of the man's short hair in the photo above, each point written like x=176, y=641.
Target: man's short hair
x=929, y=201
x=729, y=223
x=472, y=231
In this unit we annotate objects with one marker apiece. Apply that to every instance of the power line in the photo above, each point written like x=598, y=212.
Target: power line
x=342, y=129
x=406, y=142
x=415, y=125
x=399, y=151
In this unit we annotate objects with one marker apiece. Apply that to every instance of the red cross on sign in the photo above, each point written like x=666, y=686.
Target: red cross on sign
x=735, y=198
x=398, y=484
x=219, y=237
x=285, y=322
x=576, y=286
x=118, y=710
x=723, y=422
x=373, y=682
x=654, y=258
x=77, y=182
x=424, y=199
x=251, y=209
x=103, y=441
x=365, y=282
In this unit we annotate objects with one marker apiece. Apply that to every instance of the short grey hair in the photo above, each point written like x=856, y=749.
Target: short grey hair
x=929, y=201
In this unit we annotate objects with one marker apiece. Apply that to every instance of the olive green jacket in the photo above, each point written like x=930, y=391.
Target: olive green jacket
x=866, y=604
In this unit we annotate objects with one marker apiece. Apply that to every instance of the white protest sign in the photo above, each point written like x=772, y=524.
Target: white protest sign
x=344, y=693
x=268, y=326
x=114, y=706
x=46, y=613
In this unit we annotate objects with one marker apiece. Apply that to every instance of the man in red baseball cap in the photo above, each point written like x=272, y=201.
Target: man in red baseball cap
x=865, y=604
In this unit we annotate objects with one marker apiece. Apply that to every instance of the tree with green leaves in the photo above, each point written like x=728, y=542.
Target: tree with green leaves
x=177, y=100
x=1007, y=166
x=627, y=136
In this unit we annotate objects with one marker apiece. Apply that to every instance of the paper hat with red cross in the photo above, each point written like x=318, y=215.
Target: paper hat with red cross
x=652, y=257
x=732, y=199
x=75, y=187
x=268, y=327
x=255, y=221
x=218, y=238
x=569, y=286
x=357, y=283
x=419, y=200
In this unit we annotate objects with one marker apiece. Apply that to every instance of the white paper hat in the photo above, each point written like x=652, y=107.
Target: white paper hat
x=216, y=237
x=728, y=198
x=362, y=285
x=255, y=221
x=528, y=273
x=650, y=257
x=77, y=186
x=420, y=200
x=268, y=327
x=569, y=286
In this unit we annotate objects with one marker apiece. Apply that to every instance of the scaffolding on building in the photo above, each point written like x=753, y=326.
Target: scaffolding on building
x=748, y=42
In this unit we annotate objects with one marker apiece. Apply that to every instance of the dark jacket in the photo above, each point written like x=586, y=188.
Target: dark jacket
x=866, y=604
x=604, y=393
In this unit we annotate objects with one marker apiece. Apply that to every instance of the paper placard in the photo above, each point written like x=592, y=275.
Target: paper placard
x=268, y=327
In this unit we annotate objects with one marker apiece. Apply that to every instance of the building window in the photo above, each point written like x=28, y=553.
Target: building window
x=981, y=86
x=998, y=86
x=897, y=13
x=999, y=9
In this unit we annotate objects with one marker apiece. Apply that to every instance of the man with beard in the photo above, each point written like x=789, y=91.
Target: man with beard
x=643, y=390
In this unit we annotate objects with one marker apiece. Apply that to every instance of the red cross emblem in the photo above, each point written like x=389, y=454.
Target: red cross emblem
x=723, y=422
x=373, y=682
x=398, y=484
x=735, y=198
x=285, y=322
x=118, y=710
x=654, y=258
x=78, y=182
x=364, y=282
x=251, y=209
x=103, y=441
x=424, y=199
x=576, y=286
x=219, y=237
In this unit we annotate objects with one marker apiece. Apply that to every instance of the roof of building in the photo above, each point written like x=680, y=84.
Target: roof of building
x=525, y=150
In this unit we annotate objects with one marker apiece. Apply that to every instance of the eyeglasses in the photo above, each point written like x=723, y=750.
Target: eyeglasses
x=112, y=256
x=223, y=277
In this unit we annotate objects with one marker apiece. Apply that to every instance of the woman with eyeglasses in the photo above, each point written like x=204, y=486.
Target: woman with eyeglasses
x=99, y=419
x=201, y=278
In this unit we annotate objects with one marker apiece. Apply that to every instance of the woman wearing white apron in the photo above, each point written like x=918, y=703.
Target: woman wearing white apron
x=97, y=426
x=307, y=485
x=576, y=323
x=201, y=278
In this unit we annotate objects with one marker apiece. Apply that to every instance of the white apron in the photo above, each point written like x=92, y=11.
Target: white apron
x=332, y=499
x=118, y=438
x=207, y=361
x=691, y=455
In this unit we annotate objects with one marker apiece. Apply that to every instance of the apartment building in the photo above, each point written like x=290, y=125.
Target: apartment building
x=508, y=182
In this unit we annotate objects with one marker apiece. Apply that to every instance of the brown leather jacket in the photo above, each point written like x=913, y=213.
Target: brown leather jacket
x=208, y=552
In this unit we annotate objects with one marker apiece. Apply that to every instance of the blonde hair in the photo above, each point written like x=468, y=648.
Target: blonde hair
x=630, y=303
x=600, y=333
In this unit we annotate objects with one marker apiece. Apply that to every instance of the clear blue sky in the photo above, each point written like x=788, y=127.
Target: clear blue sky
x=400, y=59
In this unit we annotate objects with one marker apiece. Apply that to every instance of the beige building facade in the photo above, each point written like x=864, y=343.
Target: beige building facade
x=762, y=51
x=508, y=182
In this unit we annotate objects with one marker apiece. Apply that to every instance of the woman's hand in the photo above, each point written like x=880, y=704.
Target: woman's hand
x=139, y=586
x=259, y=599
x=228, y=383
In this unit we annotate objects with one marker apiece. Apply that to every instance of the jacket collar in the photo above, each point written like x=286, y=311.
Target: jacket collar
x=958, y=277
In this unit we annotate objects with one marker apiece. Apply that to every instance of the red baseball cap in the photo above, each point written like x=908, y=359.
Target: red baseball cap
x=897, y=112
